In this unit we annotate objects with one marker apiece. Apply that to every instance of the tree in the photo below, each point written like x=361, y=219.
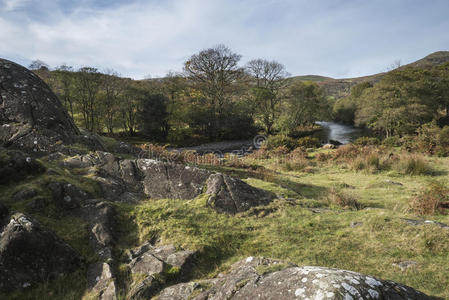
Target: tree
x=402, y=101
x=38, y=65
x=306, y=105
x=344, y=109
x=87, y=85
x=128, y=108
x=64, y=86
x=153, y=115
x=213, y=72
x=269, y=80
x=112, y=86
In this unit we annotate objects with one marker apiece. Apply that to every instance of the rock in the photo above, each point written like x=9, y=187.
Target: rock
x=404, y=265
x=335, y=143
x=101, y=218
x=328, y=146
x=388, y=181
x=31, y=116
x=67, y=195
x=155, y=266
x=16, y=166
x=424, y=222
x=231, y=195
x=356, y=224
x=101, y=282
x=25, y=194
x=31, y=254
x=184, y=291
x=4, y=212
x=270, y=279
x=169, y=180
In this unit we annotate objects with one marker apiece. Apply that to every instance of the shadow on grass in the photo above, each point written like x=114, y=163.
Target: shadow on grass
x=305, y=190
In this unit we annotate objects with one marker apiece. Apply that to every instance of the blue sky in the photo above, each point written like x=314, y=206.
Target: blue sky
x=336, y=38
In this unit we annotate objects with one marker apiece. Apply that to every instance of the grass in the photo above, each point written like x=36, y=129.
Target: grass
x=290, y=228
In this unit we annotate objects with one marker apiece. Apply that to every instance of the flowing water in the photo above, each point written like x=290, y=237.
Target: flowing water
x=340, y=132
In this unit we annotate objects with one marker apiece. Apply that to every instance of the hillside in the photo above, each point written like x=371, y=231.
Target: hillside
x=339, y=88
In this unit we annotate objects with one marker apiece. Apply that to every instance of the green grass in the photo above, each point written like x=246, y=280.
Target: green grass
x=290, y=230
x=287, y=229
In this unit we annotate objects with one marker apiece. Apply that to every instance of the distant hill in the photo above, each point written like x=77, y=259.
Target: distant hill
x=313, y=78
x=339, y=88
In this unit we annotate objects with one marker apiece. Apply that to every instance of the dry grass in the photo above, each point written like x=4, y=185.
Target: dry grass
x=343, y=199
x=431, y=200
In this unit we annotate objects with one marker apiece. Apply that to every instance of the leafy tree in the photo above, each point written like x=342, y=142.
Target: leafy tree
x=402, y=101
x=344, y=109
x=214, y=72
x=269, y=79
x=306, y=105
x=153, y=115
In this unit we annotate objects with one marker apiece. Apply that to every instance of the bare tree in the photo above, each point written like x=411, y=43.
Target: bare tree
x=270, y=78
x=38, y=64
x=87, y=84
x=214, y=71
x=113, y=87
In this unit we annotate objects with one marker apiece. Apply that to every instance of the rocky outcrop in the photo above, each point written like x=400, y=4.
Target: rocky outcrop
x=31, y=254
x=152, y=267
x=260, y=278
x=231, y=195
x=31, y=116
x=131, y=180
x=16, y=165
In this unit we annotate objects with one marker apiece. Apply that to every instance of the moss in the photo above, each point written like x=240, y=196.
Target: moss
x=262, y=270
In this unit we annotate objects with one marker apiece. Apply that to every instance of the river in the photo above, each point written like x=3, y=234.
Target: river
x=340, y=132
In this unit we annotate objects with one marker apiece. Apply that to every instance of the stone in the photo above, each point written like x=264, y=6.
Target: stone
x=263, y=278
x=157, y=265
x=101, y=282
x=356, y=224
x=169, y=180
x=328, y=146
x=406, y=264
x=16, y=166
x=31, y=254
x=31, y=116
x=231, y=195
x=25, y=194
x=425, y=222
x=67, y=195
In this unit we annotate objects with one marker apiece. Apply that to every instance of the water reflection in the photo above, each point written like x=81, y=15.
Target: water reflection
x=340, y=132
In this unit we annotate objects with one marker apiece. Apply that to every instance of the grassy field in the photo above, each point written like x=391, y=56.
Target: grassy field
x=341, y=208
x=307, y=227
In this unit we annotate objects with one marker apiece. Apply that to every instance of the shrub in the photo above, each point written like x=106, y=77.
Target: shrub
x=345, y=200
x=367, y=141
x=413, y=165
x=430, y=199
x=309, y=142
x=275, y=141
x=392, y=141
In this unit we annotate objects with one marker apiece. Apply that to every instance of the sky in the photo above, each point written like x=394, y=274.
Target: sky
x=136, y=38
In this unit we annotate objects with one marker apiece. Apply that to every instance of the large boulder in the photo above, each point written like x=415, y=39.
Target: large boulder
x=231, y=195
x=31, y=254
x=260, y=278
x=31, y=116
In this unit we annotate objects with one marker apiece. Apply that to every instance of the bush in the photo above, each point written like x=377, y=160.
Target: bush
x=280, y=140
x=345, y=200
x=413, y=165
x=309, y=142
x=392, y=141
x=430, y=199
x=367, y=141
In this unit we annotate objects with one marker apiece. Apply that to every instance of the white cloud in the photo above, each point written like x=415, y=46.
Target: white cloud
x=331, y=38
x=10, y=5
